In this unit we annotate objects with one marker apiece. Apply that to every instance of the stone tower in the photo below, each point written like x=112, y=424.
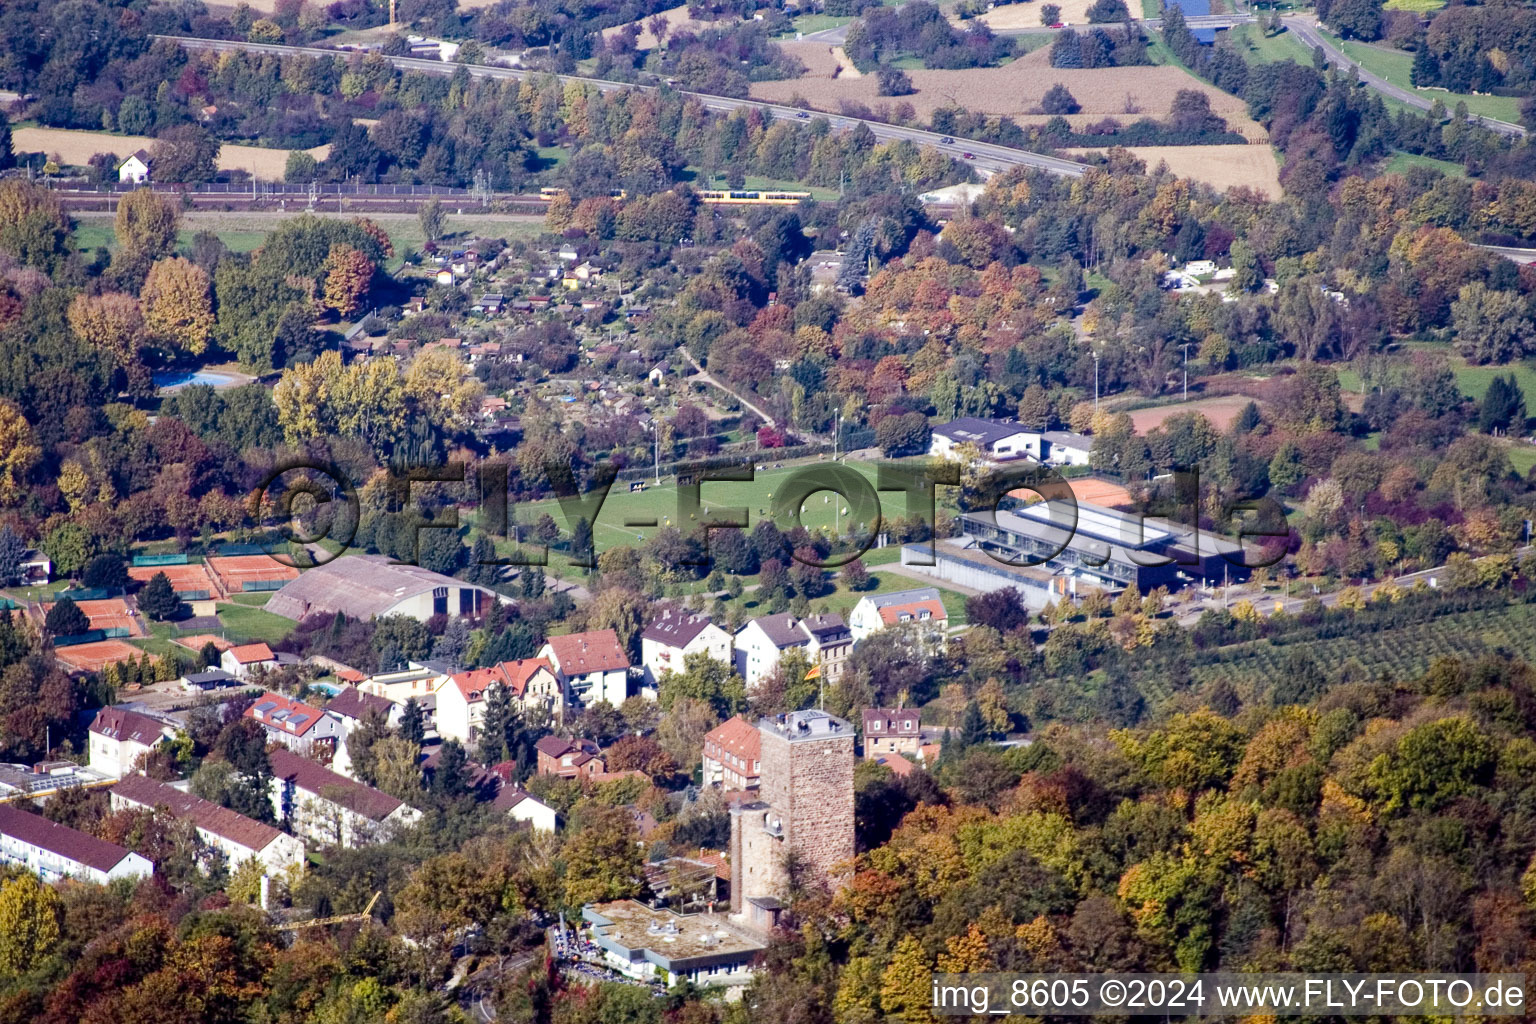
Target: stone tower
x=805, y=812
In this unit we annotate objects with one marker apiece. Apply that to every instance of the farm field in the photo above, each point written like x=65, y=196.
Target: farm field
x=77, y=147
x=1027, y=15
x=1222, y=411
x=1396, y=67
x=820, y=59
x=1405, y=651
x=677, y=18
x=1221, y=167
x=1016, y=88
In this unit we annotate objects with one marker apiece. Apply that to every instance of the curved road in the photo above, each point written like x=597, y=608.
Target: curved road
x=1305, y=30
x=986, y=156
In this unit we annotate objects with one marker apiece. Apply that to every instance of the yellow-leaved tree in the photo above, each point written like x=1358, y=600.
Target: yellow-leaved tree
x=29, y=923
x=19, y=452
x=177, y=309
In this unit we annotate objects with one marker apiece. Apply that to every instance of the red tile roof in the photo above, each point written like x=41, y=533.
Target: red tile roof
x=596, y=650
x=514, y=675
x=736, y=736
x=891, y=614
x=250, y=654
x=275, y=711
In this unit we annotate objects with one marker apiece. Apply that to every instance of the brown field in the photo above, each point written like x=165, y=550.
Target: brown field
x=818, y=58
x=1016, y=88
x=198, y=641
x=76, y=147
x=1220, y=167
x=677, y=18
x=1027, y=15
x=96, y=656
x=1221, y=411
x=184, y=578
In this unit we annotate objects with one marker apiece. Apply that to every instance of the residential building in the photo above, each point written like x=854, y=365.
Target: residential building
x=657, y=945
x=921, y=606
x=461, y=697
x=804, y=812
x=732, y=755
x=55, y=852
x=209, y=679
x=892, y=732
x=118, y=739
x=348, y=709
x=36, y=567
x=370, y=586
x=673, y=635
x=135, y=169
x=248, y=660
x=522, y=805
x=416, y=680
x=762, y=642
x=1064, y=448
x=47, y=779
x=324, y=807
x=234, y=835
x=569, y=758
x=294, y=724
x=992, y=440
x=592, y=666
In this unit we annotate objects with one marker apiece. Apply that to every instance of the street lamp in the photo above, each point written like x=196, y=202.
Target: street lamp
x=1186, y=371
x=656, y=445
x=1095, y=381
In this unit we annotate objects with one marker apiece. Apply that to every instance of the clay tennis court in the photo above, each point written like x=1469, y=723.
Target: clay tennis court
x=235, y=571
x=185, y=579
x=1087, y=489
x=96, y=656
x=107, y=613
x=198, y=641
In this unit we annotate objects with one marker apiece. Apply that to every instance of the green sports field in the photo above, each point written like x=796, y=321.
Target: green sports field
x=630, y=516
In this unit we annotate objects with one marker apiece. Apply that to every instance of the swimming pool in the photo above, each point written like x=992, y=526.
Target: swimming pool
x=173, y=380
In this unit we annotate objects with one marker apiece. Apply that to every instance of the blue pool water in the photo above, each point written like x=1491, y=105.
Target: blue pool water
x=329, y=689
x=172, y=379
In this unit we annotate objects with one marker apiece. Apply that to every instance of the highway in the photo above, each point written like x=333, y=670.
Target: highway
x=1305, y=30
x=839, y=35
x=986, y=157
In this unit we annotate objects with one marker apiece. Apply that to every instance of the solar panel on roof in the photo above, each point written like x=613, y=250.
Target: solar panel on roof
x=266, y=705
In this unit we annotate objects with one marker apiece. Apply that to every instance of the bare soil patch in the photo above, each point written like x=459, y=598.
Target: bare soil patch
x=1220, y=167
x=1027, y=15
x=1222, y=411
x=1016, y=88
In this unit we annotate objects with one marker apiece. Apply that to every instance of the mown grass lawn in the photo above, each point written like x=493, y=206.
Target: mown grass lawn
x=1396, y=67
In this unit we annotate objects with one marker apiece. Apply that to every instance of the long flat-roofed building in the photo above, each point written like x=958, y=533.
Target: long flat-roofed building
x=1057, y=548
x=657, y=945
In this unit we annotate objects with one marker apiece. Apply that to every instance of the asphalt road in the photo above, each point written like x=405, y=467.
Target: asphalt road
x=1511, y=252
x=839, y=35
x=1303, y=29
x=985, y=156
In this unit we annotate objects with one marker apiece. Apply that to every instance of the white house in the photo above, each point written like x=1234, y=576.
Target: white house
x=761, y=642
x=921, y=605
x=323, y=807
x=673, y=635
x=247, y=660
x=522, y=805
x=461, y=698
x=118, y=738
x=295, y=724
x=996, y=441
x=1064, y=448
x=134, y=170
x=592, y=666
x=234, y=835
x=55, y=852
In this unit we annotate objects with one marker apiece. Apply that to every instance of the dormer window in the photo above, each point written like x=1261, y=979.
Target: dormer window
x=874, y=726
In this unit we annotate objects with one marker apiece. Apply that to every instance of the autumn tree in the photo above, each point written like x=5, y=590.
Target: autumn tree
x=184, y=154
x=603, y=859
x=177, y=310
x=432, y=221
x=348, y=276
x=146, y=225
x=29, y=923
x=112, y=322
x=33, y=225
